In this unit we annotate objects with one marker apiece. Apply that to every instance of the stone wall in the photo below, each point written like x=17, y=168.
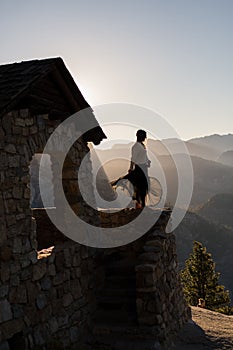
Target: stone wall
x=160, y=301
x=52, y=304
x=160, y=305
x=45, y=297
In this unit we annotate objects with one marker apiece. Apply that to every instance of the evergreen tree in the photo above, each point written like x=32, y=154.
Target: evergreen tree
x=200, y=280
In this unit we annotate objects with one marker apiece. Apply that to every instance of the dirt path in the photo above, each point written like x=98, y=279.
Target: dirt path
x=207, y=330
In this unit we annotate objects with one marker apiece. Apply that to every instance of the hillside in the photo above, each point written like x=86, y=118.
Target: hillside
x=220, y=143
x=217, y=239
x=208, y=147
x=210, y=178
x=226, y=158
x=176, y=146
x=207, y=330
x=218, y=209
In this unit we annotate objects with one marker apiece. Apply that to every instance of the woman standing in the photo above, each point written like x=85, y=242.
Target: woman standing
x=138, y=171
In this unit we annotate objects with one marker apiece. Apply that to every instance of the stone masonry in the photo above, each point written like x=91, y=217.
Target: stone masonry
x=40, y=295
x=54, y=292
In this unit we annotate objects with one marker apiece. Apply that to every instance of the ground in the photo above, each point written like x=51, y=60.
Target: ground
x=206, y=330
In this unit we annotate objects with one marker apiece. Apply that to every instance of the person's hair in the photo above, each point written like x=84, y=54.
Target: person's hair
x=141, y=135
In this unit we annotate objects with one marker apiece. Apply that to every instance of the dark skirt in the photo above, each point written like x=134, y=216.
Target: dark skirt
x=140, y=181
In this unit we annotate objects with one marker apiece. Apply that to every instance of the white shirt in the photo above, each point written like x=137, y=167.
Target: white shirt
x=139, y=154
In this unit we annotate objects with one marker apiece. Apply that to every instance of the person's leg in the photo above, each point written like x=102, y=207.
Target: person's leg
x=143, y=201
x=138, y=206
x=138, y=200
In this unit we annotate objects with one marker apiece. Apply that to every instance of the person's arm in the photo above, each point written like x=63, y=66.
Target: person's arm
x=148, y=161
x=134, y=152
x=131, y=166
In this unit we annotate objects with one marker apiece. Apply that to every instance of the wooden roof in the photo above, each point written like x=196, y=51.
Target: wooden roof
x=23, y=85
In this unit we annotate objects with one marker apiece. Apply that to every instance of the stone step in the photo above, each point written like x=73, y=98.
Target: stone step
x=125, y=342
x=120, y=267
x=120, y=281
x=116, y=299
x=117, y=291
x=115, y=317
x=114, y=305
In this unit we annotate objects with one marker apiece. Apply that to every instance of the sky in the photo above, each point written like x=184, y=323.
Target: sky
x=174, y=57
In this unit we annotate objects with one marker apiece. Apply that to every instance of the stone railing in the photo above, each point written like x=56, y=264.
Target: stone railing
x=48, y=300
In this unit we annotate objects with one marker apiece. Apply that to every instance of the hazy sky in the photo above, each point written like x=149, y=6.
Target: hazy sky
x=172, y=56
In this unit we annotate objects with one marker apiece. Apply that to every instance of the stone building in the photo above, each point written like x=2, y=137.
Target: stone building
x=55, y=293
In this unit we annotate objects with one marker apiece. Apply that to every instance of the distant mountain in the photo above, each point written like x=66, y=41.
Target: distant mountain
x=218, y=209
x=210, y=178
x=220, y=143
x=226, y=158
x=208, y=147
x=176, y=146
x=217, y=239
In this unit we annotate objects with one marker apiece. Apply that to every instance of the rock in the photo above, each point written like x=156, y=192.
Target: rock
x=17, y=311
x=10, y=220
x=52, y=270
x=19, y=122
x=157, y=346
x=39, y=271
x=13, y=161
x=17, y=246
x=53, y=325
x=24, y=113
x=14, y=280
x=33, y=257
x=59, y=278
x=10, y=328
x=153, y=249
x=74, y=334
x=5, y=253
x=18, y=295
x=10, y=148
x=29, y=121
x=38, y=336
x=5, y=272
x=17, y=192
x=149, y=257
x=4, y=346
x=46, y=283
x=6, y=123
x=145, y=268
x=3, y=291
x=41, y=301
x=5, y=311
x=67, y=299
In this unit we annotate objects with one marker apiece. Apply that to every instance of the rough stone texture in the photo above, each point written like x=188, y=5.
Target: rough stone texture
x=45, y=295
x=160, y=306
x=49, y=298
x=5, y=311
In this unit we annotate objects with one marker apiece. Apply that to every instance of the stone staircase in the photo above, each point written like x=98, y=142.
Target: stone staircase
x=116, y=302
x=115, y=323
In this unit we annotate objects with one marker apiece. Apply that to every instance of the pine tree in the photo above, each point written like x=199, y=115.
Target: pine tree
x=200, y=280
